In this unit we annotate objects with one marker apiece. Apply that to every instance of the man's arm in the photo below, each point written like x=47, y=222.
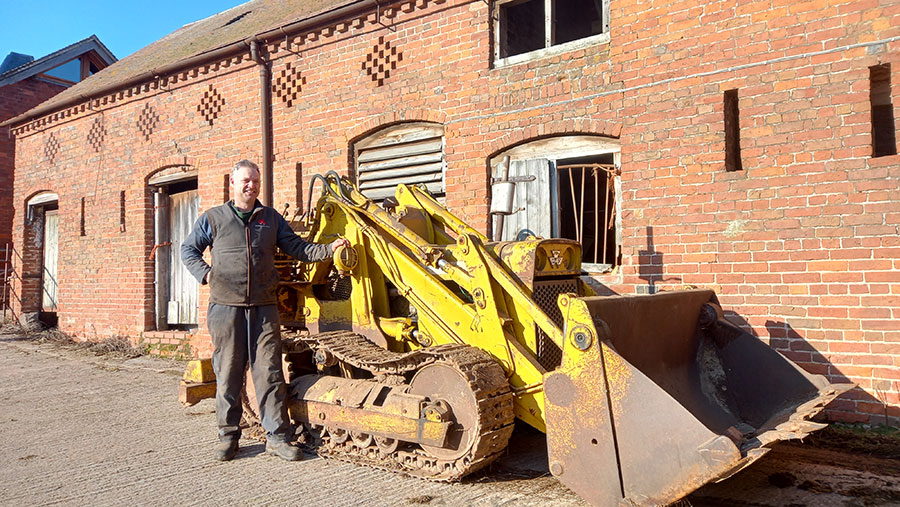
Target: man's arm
x=193, y=246
x=297, y=248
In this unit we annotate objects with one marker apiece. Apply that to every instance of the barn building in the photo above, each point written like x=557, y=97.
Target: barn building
x=748, y=147
x=25, y=82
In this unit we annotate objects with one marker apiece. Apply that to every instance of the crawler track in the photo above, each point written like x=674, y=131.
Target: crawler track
x=492, y=402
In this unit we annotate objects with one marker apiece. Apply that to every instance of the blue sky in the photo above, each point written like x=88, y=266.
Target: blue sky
x=40, y=27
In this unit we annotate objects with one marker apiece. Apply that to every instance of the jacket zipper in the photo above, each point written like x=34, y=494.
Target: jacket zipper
x=247, y=228
x=249, y=256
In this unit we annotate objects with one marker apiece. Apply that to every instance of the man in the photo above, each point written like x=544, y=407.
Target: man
x=243, y=317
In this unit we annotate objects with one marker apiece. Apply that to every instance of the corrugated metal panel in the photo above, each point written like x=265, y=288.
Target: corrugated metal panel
x=532, y=200
x=51, y=256
x=411, y=153
x=184, y=292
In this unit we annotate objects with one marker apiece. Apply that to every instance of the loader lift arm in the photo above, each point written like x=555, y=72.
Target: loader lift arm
x=476, y=296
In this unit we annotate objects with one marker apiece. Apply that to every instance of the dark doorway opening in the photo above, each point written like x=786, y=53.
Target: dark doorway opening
x=587, y=205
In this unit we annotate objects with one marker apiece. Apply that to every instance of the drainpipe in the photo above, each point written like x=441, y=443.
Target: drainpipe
x=265, y=122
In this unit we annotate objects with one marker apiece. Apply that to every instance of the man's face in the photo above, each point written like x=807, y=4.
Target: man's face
x=245, y=184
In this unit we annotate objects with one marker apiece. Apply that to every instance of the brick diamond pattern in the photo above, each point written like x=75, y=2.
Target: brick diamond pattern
x=51, y=147
x=211, y=105
x=288, y=84
x=381, y=61
x=97, y=134
x=147, y=121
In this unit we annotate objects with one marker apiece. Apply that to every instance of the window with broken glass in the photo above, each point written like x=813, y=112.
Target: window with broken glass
x=567, y=196
x=527, y=29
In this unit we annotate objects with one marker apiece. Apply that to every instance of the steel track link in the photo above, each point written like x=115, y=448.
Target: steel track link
x=485, y=379
x=355, y=350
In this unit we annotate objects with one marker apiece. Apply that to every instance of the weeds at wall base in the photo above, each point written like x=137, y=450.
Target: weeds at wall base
x=170, y=351
x=115, y=346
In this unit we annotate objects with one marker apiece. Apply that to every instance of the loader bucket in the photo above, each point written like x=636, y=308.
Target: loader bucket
x=657, y=395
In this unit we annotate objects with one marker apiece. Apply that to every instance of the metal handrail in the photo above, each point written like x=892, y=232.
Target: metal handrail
x=10, y=273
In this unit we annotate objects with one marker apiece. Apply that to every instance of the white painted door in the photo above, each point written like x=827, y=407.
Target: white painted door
x=184, y=291
x=51, y=254
x=533, y=201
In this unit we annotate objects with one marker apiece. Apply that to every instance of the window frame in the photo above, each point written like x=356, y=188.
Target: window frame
x=549, y=48
x=394, y=135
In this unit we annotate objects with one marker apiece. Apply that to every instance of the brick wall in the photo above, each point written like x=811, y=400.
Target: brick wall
x=802, y=245
x=15, y=99
x=106, y=279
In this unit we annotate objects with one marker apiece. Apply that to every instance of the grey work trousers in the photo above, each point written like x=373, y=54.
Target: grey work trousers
x=243, y=335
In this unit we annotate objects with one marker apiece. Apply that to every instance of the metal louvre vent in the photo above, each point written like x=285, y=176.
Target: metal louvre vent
x=410, y=153
x=545, y=294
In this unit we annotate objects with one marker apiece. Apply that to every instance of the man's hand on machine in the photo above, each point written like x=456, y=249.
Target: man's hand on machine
x=339, y=242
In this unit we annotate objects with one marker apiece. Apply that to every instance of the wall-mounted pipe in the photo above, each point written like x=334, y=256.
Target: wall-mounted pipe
x=265, y=122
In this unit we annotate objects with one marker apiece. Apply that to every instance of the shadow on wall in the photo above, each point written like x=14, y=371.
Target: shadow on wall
x=856, y=405
x=650, y=269
x=650, y=266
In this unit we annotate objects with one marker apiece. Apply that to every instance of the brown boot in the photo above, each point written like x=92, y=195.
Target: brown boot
x=283, y=450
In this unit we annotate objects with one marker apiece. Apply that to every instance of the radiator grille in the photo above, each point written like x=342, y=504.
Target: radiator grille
x=545, y=294
x=340, y=287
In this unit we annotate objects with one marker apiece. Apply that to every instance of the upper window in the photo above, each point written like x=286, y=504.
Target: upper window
x=566, y=187
x=410, y=153
x=75, y=70
x=527, y=29
x=69, y=71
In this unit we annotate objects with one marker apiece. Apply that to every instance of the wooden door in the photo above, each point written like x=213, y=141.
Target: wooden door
x=184, y=291
x=49, y=286
x=534, y=201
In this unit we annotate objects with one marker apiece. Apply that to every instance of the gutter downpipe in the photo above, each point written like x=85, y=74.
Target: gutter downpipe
x=352, y=9
x=265, y=121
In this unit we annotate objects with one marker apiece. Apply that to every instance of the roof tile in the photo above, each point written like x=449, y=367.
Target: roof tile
x=227, y=27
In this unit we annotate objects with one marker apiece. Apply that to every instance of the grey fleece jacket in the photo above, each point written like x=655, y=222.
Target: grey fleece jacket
x=243, y=255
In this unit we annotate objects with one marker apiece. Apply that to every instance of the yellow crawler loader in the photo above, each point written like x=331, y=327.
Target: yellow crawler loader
x=419, y=346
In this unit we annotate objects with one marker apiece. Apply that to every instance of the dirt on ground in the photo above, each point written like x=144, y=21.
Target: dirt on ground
x=796, y=474
x=101, y=424
x=865, y=440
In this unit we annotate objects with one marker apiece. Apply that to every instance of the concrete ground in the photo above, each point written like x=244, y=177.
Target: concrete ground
x=77, y=428
x=83, y=429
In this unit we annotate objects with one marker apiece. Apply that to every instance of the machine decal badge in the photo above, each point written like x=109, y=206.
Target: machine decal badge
x=556, y=260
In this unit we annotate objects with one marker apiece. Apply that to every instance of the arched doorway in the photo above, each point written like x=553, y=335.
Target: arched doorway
x=43, y=216
x=176, y=205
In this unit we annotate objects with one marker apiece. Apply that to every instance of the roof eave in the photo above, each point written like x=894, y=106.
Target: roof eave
x=48, y=62
x=349, y=9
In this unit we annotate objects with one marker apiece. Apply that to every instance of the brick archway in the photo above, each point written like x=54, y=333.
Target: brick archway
x=168, y=163
x=374, y=123
x=554, y=128
x=28, y=262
